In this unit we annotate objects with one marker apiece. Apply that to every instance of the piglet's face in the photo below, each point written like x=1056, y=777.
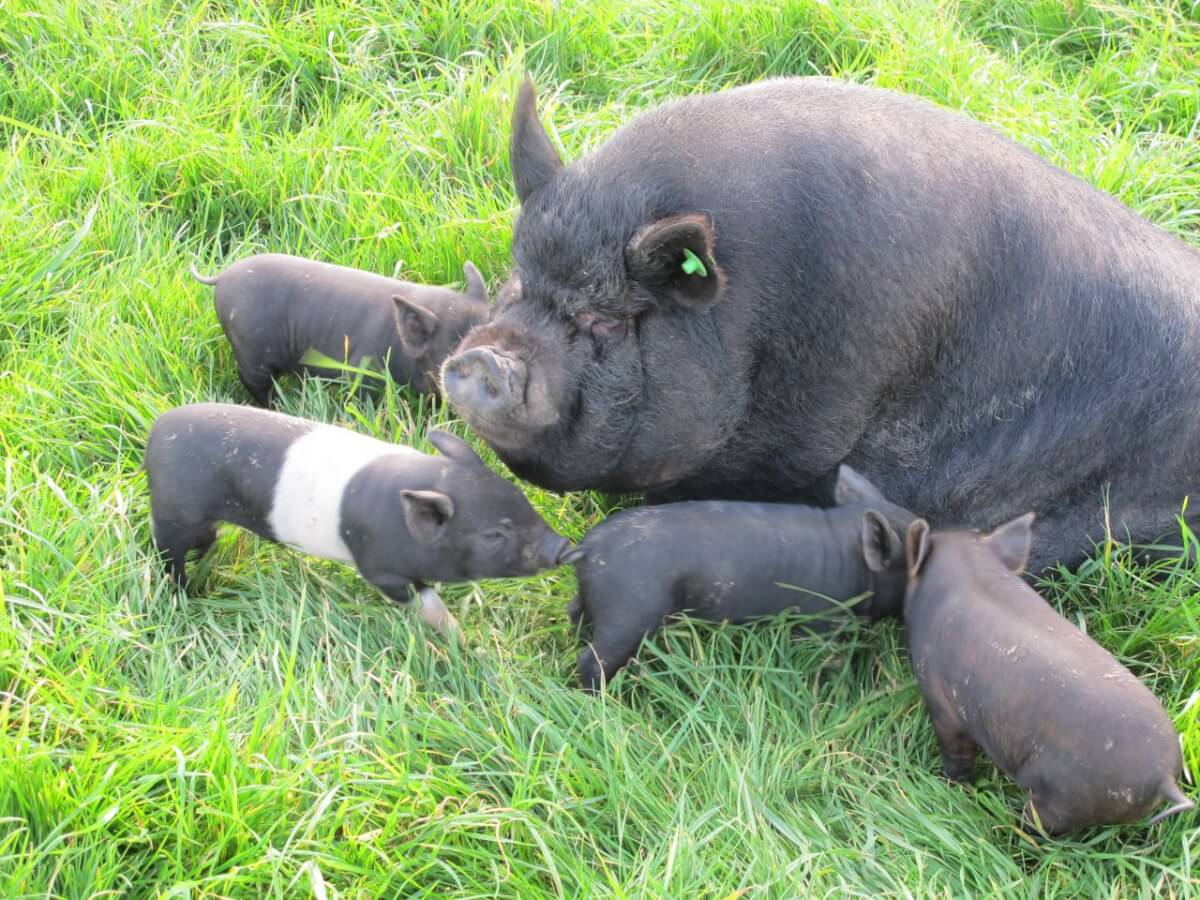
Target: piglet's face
x=479, y=525
x=430, y=322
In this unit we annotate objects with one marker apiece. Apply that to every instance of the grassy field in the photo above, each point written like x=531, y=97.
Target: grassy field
x=281, y=731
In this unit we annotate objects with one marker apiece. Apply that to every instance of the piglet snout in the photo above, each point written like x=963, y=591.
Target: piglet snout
x=551, y=549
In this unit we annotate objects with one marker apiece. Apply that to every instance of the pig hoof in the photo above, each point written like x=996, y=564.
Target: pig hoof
x=445, y=625
x=450, y=628
x=435, y=614
x=591, y=673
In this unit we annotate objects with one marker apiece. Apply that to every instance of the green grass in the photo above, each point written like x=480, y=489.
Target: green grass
x=283, y=731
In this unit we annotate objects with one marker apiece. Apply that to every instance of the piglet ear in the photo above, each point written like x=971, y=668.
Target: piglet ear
x=535, y=162
x=675, y=256
x=916, y=542
x=426, y=513
x=881, y=545
x=1010, y=542
x=476, y=286
x=416, y=323
x=453, y=447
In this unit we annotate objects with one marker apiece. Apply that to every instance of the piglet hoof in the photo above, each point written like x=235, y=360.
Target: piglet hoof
x=591, y=672
x=435, y=614
x=962, y=777
x=177, y=575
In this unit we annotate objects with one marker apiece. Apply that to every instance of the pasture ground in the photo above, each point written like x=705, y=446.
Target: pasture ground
x=283, y=731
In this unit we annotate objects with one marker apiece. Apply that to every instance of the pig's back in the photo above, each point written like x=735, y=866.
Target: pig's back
x=219, y=460
x=698, y=528
x=197, y=433
x=752, y=547
x=305, y=304
x=810, y=140
x=833, y=160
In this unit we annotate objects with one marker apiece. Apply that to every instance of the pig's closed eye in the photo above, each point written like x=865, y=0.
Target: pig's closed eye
x=495, y=537
x=601, y=326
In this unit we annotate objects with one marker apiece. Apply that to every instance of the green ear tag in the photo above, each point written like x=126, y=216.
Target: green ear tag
x=692, y=264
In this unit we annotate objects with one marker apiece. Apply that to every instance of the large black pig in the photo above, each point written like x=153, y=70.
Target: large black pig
x=739, y=291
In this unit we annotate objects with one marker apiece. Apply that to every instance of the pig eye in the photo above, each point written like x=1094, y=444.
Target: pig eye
x=495, y=537
x=599, y=325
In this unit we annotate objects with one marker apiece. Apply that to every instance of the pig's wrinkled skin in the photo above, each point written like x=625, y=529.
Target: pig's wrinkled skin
x=728, y=561
x=890, y=284
x=275, y=309
x=1001, y=670
x=404, y=518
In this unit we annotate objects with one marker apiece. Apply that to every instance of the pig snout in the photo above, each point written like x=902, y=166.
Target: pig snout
x=549, y=551
x=483, y=381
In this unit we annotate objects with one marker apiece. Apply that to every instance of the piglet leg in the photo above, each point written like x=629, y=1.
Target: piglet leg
x=435, y=614
x=260, y=385
x=958, y=750
x=576, y=611
x=614, y=642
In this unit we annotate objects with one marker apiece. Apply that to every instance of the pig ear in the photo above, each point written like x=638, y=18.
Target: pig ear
x=535, y=162
x=1011, y=542
x=416, y=323
x=853, y=488
x=453, y=447
x=916, y=542
x=675, y=256
x=476, y=286
x=426, y=513
x=881, y=545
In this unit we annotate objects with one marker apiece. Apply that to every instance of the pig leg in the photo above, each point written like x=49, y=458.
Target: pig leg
x=396, y=588
x=577, y=611
x=256, y=367
x=207, y=539
x=434, y=612
x=260, y=386
x=1046, y=807
x=615, y=640
x=174, y=540
x=620, y=618
x=174, y=557
x=1051, y=816
x=594, y=669
x=1042, y=817
x=958, y=750
x=399, y=590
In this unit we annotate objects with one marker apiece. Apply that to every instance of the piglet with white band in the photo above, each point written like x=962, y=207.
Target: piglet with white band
x=401, y=517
